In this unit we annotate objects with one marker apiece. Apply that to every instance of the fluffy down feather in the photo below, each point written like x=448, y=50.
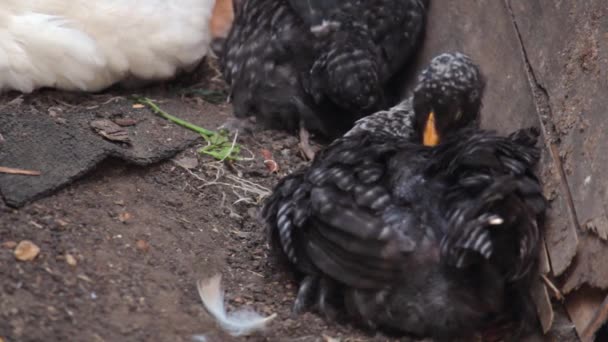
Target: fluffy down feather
x=90, y=45
x=239, y=323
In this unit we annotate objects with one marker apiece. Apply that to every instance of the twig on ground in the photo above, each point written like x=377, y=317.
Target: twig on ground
x=13, y=171
x=245, y=190
x=556, y=292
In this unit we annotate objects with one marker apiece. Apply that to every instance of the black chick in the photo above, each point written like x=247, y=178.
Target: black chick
x=290, y=69
x=437, y=239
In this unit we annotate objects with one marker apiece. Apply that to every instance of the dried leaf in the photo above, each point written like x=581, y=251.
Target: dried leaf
x=599, y=319
x=124, y=122
x=111, y=131
x=270, y=163
x=589, y=266
x=582, y=306
x=26, y=251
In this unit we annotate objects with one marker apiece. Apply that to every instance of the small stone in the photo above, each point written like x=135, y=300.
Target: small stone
x=187, y=162
x=52, y=310
x=253, y=213
x=61, y=223
x=124, y=217
x=26, y=251
x=142, y=245
x=70, y=260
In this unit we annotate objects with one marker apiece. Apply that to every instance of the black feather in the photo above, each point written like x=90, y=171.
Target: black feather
x=285, y=75
x=433, y=241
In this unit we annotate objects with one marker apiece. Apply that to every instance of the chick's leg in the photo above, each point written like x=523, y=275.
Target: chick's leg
x=304, y=144
x=307, y=290
x=326, y=290
x=241, y=125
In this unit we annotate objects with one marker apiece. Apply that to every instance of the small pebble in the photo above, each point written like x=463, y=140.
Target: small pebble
x=9, y=244
x=26, y=251
x=124, y=217
x=70, y=260
x=142, y=245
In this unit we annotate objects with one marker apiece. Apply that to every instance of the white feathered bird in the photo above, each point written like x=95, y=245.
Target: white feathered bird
x=89, y=45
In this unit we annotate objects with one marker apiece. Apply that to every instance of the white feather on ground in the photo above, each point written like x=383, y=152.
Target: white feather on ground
x=238, y=323
x=90, y=45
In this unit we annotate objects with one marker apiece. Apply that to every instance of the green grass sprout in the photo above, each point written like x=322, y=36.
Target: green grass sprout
x=219, y=144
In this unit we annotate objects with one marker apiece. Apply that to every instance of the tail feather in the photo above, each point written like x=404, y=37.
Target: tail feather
x=348, y=71
x=282, y=213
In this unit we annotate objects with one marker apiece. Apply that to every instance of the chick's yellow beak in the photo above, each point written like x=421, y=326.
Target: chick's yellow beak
x=430, y=137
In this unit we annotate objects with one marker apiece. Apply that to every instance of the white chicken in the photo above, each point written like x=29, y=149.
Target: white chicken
x=89, y=45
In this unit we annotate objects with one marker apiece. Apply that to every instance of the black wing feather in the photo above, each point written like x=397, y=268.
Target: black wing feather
x=349, y=231
x=496, y=202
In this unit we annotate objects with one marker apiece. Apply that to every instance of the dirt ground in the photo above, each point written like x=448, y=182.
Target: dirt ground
x=123, y=246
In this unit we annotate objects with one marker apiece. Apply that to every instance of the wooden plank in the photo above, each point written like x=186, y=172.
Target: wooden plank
x=484, y=30
x=570, y=65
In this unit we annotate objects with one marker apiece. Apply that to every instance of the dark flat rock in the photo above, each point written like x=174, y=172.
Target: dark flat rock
x=61, y=144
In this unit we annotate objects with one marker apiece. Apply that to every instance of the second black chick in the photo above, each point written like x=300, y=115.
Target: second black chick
x=289, y=74
x=416, y=221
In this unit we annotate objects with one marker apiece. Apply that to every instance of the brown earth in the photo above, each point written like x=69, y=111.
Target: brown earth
x=141, y=238
x=135, y=280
